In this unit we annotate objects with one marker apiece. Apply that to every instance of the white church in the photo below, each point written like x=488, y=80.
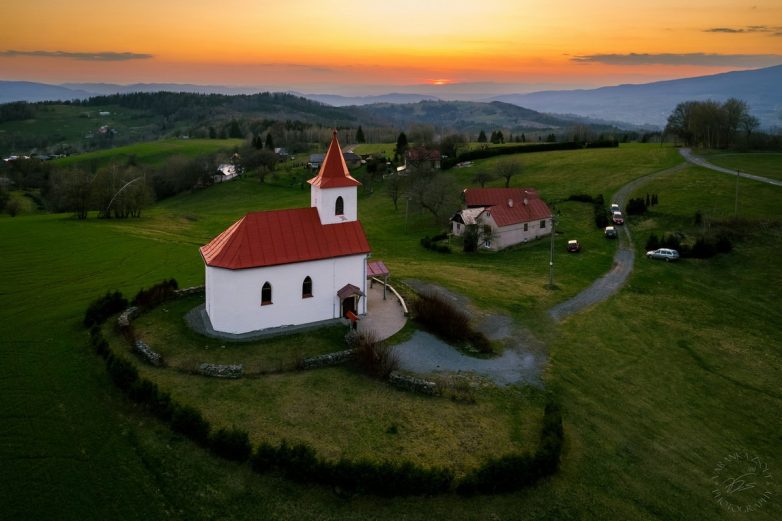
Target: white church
x=292, y=267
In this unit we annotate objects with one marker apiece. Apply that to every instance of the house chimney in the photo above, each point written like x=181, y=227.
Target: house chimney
x=526, y=202
x=510, y=203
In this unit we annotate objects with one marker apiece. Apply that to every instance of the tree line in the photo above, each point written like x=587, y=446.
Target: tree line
x=711, y=124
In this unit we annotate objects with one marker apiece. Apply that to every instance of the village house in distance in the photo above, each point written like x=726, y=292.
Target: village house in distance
x=504, y=216
x=291, y=267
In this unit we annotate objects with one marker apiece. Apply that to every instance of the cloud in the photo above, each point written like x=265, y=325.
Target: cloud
x=774, y=31
x=84, y=56
x=698, y=58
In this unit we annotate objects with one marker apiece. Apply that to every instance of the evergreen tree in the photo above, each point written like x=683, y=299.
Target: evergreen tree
x=360, y=135
x=257, y=142
x=401, y=144
x=482, y=137
x=269, y=141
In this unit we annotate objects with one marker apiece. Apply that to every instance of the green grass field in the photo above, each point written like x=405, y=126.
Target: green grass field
x=763, y=164
x=658, y=384
x=151, y=153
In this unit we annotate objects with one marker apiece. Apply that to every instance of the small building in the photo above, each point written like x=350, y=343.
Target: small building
x=315, y=161
x=291, y=267
x=352, y=159
x=225, y=172
x=421, y=158
x=504, y=216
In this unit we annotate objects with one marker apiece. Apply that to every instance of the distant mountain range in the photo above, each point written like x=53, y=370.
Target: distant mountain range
x=651, y=103
x=625, y=106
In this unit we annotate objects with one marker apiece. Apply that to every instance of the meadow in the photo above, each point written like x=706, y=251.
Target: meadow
x=657, y=385
x=767, y=164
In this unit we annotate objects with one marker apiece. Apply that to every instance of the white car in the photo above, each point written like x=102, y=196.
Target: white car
x=663, y=253
x=615, y=208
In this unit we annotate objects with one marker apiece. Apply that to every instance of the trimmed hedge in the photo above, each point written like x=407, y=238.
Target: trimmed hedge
x=150, y=298
x=102, y=308
x=483, y=153
x=301, y=463
x=432, y=244
x=515, y=471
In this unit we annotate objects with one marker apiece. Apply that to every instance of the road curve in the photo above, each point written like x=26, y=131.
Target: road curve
x=612, y=281
x=687, y=154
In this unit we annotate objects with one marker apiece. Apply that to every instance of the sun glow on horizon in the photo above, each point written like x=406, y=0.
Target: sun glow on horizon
x=440, y=42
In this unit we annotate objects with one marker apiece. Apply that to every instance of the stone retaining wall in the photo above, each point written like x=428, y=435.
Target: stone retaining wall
x=411, y=383
x=184, y=292
x=126, y=316
x=329, y=359
x=145, y=352
x=221, y=371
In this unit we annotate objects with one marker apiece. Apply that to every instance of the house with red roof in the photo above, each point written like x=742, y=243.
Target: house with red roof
x=504, y=216
x=291, y=267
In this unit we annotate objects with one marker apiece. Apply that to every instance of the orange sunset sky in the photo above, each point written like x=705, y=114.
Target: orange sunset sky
x=350, y=45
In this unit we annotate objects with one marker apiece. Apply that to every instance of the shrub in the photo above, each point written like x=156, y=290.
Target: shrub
x=598, y=206
x=479, y=342
x=432, y=244
x=703, y=249
x=583, y=198
x=636, y=206
x=231, y=444
x=188, y=421
x=471, y=236
x=102, y=308
x=374, y=356
x=723, y=244
x=652, y=243
x=122, y=372
x=151, y=297
x=441, y=317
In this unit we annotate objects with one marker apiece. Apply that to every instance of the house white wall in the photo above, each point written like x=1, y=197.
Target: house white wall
x=233, y=297
x=505, y=236
x=325, y=200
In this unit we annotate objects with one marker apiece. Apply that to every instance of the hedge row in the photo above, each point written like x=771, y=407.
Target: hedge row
x=515, y=471
x=301, y=463
x=483, y=153
x=431, y=243
x=102, y=308
x=152, y=297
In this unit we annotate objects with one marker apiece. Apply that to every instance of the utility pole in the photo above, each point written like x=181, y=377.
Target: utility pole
x=551, y=256
x=736, y=204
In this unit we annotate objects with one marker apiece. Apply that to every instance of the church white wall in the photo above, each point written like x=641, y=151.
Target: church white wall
x=325, y=200
x=233, y=297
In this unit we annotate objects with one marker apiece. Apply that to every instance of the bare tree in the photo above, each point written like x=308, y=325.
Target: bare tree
x=483, y=177
x=437, y=195
x=395, y=186
x=508, y=169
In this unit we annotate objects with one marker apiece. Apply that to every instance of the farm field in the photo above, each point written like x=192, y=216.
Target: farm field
x=657, y=385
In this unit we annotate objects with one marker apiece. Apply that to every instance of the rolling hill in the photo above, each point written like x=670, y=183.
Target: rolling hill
x=651, y=103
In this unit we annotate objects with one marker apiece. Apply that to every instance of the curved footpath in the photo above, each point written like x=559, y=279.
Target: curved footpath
x=695, y=160
x=612, y=281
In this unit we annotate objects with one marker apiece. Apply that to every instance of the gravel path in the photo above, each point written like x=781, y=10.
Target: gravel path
x=522, y=359
x=612, y=281
x=688, y=155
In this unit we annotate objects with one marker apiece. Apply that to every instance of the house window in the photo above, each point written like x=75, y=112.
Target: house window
x=266, y=294
x=340, y=206
x=543, y=223
x=306, y=287
x=526, y=227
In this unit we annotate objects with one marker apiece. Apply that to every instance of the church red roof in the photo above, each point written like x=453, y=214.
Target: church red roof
x=282, y=237
x=507, y=205
x=333, y=171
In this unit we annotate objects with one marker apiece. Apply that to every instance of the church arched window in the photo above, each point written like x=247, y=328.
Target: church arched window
x=340, y=206
x=306, y=287
x=266, y=294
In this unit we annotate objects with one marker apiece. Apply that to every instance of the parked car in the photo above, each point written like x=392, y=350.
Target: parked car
x=617, y=218
x=573, y=246
x=615, y=208
x=666, y=254
x=610, y=232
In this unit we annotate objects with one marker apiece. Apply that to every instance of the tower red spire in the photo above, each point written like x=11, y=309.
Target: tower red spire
x=333, y=171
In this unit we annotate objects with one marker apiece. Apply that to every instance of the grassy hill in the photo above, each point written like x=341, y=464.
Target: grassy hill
x=658, y=384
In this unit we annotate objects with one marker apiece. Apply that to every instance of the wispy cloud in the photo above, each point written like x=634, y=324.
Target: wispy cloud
x=698, y=58
x=772, y=30
x=84, y=56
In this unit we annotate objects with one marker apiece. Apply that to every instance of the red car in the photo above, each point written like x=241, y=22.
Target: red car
x=617, y=218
